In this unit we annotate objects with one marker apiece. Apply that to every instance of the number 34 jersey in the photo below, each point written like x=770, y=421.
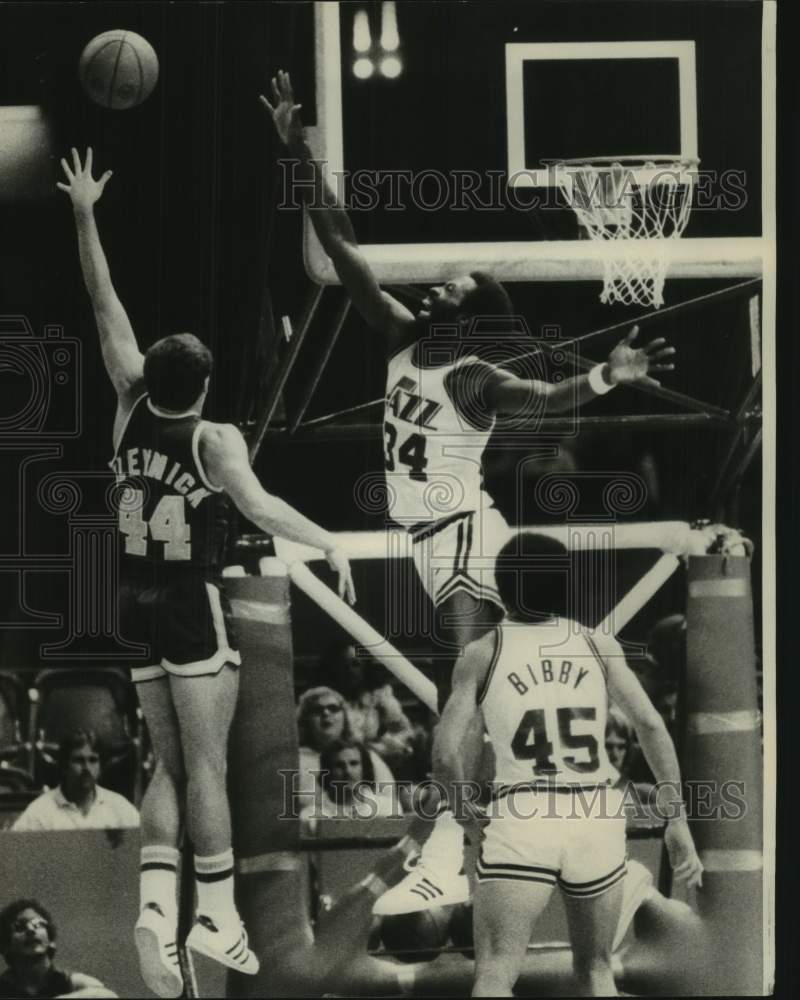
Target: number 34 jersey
x=170, y=517
x=433, y=441
x=545, y=702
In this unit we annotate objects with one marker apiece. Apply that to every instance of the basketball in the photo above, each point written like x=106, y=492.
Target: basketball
x=118, y=69
x=417, y=937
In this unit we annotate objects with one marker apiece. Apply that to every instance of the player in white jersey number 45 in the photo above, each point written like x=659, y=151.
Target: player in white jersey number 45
x=540, y=685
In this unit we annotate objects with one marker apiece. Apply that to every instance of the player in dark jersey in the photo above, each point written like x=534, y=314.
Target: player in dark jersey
x=173, y=469
x=464, y=596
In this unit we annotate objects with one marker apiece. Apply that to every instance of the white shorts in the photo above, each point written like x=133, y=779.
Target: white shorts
x=561, y=838
x=458, y=553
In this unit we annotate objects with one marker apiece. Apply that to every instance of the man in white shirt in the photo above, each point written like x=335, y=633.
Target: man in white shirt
x=78, y=803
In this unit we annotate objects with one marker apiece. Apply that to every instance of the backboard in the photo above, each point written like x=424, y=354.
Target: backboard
x=500, y=93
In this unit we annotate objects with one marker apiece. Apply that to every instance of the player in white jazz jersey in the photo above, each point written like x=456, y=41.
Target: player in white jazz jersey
x=441, y=405
x=541, y=689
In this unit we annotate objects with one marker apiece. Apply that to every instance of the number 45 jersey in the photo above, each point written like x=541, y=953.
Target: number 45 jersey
x=545, y=702
x=171, y=518
x=434, y=439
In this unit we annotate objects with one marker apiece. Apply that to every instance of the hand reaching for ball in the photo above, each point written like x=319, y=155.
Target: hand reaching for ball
x=82, y=188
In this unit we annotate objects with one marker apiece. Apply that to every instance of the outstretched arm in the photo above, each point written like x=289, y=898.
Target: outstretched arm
x=123, y=360
x=626, y=364
x=625, y=690
x=224, y=455
x=383, y=313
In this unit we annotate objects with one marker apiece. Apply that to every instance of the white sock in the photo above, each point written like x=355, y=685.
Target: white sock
x=158, y=876
x=214, y=877
x=444, y=849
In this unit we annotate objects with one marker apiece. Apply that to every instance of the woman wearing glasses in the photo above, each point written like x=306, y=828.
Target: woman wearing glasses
x=322, y=719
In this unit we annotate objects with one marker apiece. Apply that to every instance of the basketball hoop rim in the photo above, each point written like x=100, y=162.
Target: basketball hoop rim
x=642, y=159
x=647, y=169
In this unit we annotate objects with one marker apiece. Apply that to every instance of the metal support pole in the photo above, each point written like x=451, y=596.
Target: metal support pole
x=733, y=479
x=380, y=649
x=636, y=598
x=186, y=919
x=689, y=306
x=276, y=388
x=741, y=419
x=552, y=425
x=329, y=418
x=321, y=364
x=746, y=459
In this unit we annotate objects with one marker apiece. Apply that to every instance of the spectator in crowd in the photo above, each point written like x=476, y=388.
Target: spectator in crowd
x=375, y=715
x=78, y=802
x=347, y=786
x=322, y=719
x=9, y=731
x=667, y=646
x=660, y=680
x=27, y=943
x=626, y=756
x=619, y=740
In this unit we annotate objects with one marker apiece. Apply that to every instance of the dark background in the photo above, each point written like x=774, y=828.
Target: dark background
x=185, y=224
x=195, y=242
x=447, y=110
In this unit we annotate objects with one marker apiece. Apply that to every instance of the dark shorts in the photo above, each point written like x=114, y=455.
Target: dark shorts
x=185, y=621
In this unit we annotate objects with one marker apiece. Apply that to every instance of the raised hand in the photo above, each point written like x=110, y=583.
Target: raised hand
x=283, y=111
x=636, y=364
x=81, y=187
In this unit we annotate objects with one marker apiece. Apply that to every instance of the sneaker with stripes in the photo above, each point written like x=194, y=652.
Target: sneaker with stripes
x=158, y=952
x=422, y=889
x=227, y=945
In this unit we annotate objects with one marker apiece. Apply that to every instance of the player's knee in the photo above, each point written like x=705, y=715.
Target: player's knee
x=208, y=765
x=495, y=950
x=495, y=974
x=170, y=766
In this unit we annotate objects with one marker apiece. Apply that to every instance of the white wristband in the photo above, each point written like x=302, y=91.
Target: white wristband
x=598, y=384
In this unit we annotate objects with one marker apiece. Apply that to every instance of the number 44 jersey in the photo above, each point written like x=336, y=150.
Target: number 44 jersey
x=545, y=702
x=170, y=516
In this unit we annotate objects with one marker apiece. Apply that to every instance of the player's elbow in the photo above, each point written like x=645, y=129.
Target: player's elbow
x=648, y=724
x=256, y=511
x=105, y=301
x=337, y=244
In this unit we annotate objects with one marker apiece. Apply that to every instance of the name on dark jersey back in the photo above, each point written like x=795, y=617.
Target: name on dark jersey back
x=169, y=516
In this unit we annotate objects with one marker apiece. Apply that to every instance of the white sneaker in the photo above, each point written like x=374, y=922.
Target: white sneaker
x=158, y=952
x=227, y=944
x=422, y=889
x=637, y=888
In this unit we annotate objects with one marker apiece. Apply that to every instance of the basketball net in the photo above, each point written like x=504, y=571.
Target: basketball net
x=638, y=202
